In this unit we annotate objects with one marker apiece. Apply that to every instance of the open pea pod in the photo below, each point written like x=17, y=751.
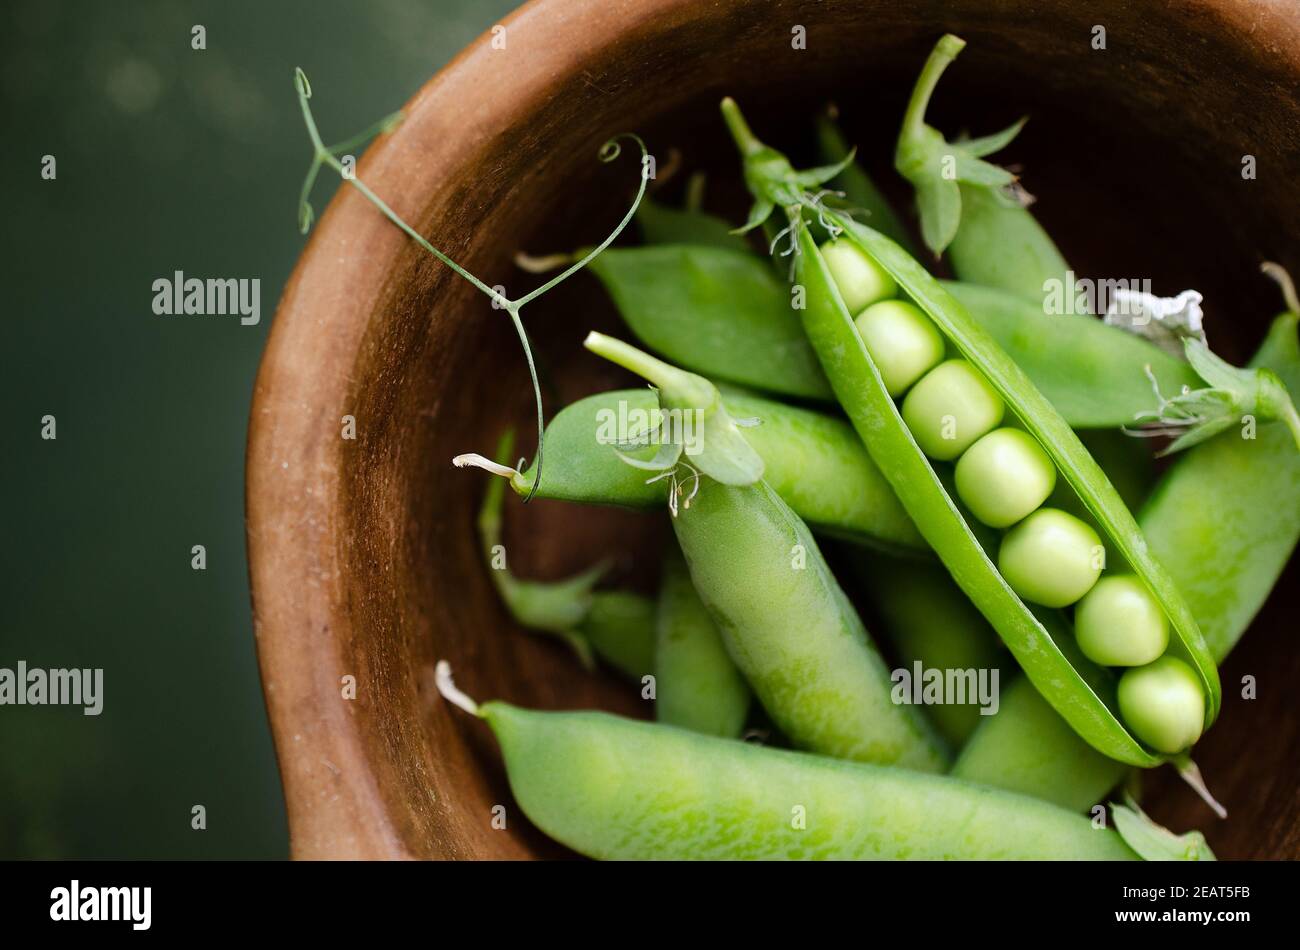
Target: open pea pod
x=864, y=397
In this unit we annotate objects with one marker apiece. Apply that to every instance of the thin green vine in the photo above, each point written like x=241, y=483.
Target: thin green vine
x=329, y=156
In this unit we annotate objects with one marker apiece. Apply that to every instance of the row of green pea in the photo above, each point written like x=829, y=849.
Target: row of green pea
x=1047, y=555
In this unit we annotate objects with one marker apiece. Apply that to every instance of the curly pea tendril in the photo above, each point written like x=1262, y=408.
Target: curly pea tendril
x=329, y=156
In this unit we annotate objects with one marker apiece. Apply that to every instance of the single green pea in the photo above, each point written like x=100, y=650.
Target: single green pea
x=1005, y=476
x=1163, y=703
x=1119, y=623
x=951, y=407
x=1051, y=558
x=903, y=342
x=861, y=281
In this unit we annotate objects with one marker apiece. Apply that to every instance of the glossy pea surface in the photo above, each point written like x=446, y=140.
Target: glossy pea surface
x=949, y=408
x=1051, y=558
x=792, y=632
x=903, y=342
x=1163, y=704
x=620, y=626
x=697, y=686
x=1119, y=623
x=861, y=281
x=1004, y=476
x=615, y=788
x=928, y=620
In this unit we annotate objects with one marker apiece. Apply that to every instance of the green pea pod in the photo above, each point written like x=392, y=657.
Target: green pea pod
x=814, y=461
x=996, y=242
x=792, y=631
x=697, y=686
x=1093, y=374
x=931, y=622
x=785, y=620
x=1000, y=244
x=633, y=790
x=860, y=192
x=661, y=224
x=1224, y=520
x=620, y=626
x=1028, y=748
x=722, y=313
x=863, y=394
x=617, y=626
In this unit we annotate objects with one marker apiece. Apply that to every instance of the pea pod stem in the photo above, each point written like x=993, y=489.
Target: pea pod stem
x=1279, y=274
x=446, y=684
x=637, y=361
x=990, y=236
x=941, y=57
x=747, y=143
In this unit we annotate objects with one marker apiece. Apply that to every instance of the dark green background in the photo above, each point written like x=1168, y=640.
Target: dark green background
x=168, y=159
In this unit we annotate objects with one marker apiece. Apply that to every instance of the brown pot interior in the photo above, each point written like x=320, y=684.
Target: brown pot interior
x=364, y=553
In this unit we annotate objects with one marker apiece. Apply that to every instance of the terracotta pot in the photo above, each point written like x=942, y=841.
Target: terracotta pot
x=363, y=553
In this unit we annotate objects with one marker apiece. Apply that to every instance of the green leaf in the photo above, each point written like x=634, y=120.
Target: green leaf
x=725, y=455
x=1154, y=842
x=760, y=211
x=1197, y=434
x=988, y=144
x=975, y=171
x=1219, y=373
x=665, y=458
x=819, y=175
x=939, y=201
